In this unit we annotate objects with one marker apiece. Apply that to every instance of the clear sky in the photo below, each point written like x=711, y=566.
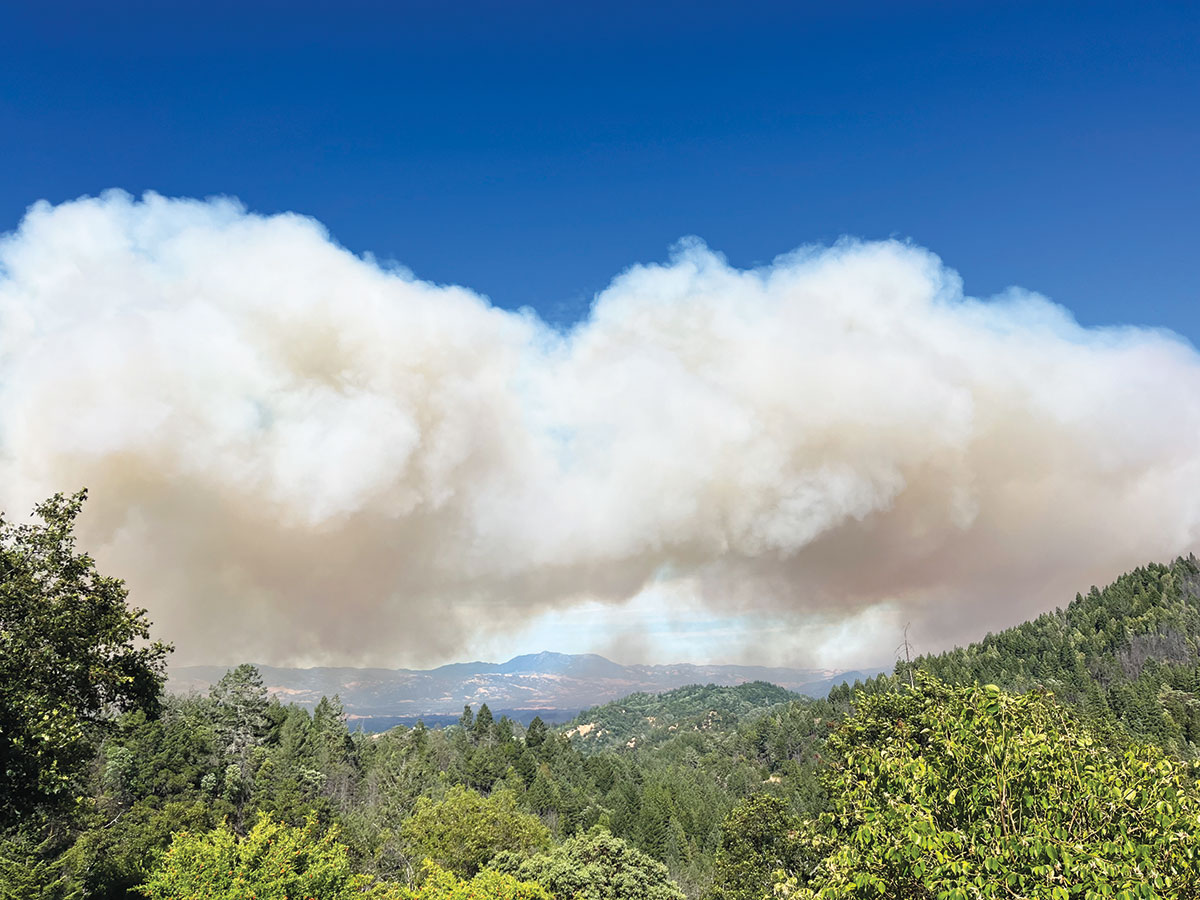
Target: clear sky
x=533, y=150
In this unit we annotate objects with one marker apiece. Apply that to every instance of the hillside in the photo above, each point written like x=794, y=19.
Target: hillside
x=643, y=719
x=1128, y=656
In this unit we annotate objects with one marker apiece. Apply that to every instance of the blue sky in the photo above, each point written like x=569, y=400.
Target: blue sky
x=533, y=150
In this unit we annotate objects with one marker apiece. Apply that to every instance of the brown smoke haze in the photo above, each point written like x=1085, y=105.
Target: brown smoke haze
x=296, y=455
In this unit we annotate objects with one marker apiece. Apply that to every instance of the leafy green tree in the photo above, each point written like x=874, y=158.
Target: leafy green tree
x=333, y=751
x=972, y=793
x=595, y=866
x=273, y=862
x=115, y=855
x=288, y=783
x=69, y=658
x=463, y=831
x=759, y=838
x=488, y=764
x=167, y=756
x=26, y=872
x=438, y=884
x=542, y=797
x=505, y=736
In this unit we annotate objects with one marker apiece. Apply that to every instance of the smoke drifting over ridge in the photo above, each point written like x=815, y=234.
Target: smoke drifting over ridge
x=295, y=454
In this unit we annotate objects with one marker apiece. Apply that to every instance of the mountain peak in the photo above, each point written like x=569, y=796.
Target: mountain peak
x=548, y=661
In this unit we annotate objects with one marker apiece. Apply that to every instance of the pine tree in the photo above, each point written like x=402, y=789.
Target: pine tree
x=535, y=735
x=482, y=730
x=241, y=703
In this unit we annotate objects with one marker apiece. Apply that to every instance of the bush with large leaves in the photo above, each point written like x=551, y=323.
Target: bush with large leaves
x=957, y=793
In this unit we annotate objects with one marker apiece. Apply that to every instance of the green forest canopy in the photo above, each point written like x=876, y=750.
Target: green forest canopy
x=722, y=793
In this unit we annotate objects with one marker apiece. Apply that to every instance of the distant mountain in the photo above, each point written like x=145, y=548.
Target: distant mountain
x=561, y=684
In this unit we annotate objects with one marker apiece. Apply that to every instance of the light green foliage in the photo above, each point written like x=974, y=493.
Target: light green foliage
x=463, y=831
x=595, y=866
x=971, y=792
x=438, y=884
x=273, y=862
x=25, y=873
x=69, y=654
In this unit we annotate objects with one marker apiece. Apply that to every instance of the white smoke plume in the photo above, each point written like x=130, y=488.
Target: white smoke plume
x=296, y=454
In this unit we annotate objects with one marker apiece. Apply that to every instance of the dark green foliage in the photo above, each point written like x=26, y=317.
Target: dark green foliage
x=1128, y=656
x=114, y=856
x=759, y=839
x=162, y=757
x=69, y=658
x=482, y=728
x=535, y=735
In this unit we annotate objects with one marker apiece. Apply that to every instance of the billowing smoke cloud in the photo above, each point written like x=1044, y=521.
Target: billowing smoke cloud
x=298, y=454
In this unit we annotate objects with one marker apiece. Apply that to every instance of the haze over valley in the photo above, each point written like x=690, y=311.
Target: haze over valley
x=554, y=686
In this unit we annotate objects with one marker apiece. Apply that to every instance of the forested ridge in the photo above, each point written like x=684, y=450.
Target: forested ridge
x=1127, y=656
x=642, y=720
x=1049, y=760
